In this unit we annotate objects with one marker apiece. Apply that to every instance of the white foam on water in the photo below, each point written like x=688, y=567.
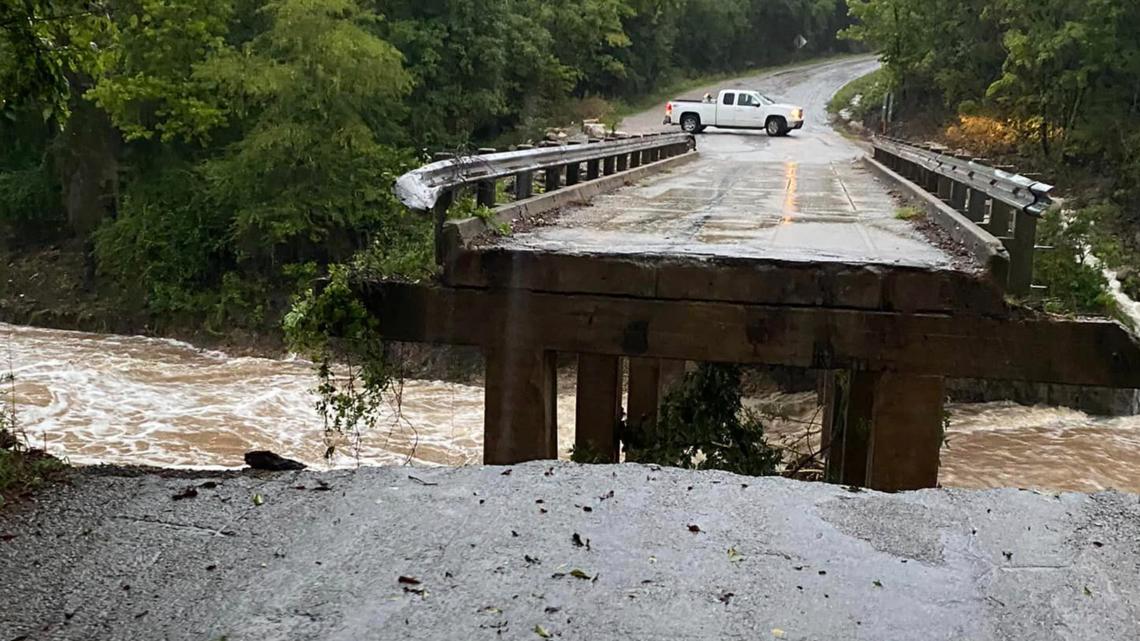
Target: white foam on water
x=143, y=401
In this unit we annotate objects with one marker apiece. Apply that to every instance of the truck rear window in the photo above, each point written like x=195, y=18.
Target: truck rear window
x=729, y=98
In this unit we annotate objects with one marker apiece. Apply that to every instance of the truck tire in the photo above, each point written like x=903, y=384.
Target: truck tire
x=691, y=123
x=776, y=126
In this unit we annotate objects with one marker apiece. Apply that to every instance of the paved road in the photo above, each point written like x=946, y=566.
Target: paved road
x=804, y=197
x=115, y=558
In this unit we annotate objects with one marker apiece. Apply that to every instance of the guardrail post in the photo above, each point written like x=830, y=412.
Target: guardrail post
x=524, y=180
x=622, y=162
x=593, y=167
x=608, y=165
x=439, y=213
x=635, y=159
x=1021, y=254
x=573, y=172
x=1001, y=215
x=485, y=195
x=976, y=206
x=945, y=185
x=958, y=196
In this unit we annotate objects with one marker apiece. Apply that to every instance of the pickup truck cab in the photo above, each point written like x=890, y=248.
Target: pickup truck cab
x=735, y=109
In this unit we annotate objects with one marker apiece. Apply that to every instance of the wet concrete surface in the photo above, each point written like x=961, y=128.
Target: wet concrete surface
x=601, y=552
x=804, y=197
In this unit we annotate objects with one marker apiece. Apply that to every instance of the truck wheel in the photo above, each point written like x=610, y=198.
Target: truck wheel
x=776, y=126
x=691, y=123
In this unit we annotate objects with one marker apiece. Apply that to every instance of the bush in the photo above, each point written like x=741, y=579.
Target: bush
x=1074, y=286
x=702, y=426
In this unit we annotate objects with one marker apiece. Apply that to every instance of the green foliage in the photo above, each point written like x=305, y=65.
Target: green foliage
x=910, y=212
x=207, y=149
x=703, y=426
x=1073, y=284
x=148, y=87
x=861, y=97
x=1055, y=81
x=331, y=326
x=49, y=50
x=22, y=468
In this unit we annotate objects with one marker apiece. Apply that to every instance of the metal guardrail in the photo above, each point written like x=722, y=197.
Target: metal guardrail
x=421, y=189
x=1015, y=190
x=435, y=187
x=1003, y=205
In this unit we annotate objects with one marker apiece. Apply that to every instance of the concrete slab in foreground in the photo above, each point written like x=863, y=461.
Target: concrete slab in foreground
x=496, y=554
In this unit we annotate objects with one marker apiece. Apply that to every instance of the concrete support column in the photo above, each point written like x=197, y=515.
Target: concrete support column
x=521, y=419
x=598, y=409
x=883, y=430
x=906, y=432
x=670, y=373
x=644, y=391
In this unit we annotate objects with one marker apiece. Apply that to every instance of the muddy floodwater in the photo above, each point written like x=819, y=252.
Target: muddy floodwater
x=142, y=401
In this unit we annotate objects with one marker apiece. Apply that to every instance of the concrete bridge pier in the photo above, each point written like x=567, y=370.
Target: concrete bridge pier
x=883, y=430
x=521, y=404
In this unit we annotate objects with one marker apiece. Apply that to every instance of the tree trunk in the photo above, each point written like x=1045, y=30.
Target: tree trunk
x=88, y=166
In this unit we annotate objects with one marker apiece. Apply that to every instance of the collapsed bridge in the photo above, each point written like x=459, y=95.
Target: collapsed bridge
x=741, y=249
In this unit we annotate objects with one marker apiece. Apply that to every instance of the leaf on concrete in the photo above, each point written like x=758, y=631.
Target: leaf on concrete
x=409, y=580
x=258, y=499
x=734, y=556
x=578, y=574
x=878, y=583
x=577, y=540
x=542, y=632
x=695, y=529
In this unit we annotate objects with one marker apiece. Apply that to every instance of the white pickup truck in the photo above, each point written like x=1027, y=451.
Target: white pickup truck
x=735, y=109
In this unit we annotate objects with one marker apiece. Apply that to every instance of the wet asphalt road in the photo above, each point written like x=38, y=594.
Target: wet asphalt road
x=493, y=555
x=804, y=197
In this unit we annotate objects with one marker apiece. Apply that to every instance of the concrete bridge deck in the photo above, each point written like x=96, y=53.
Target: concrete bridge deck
x=494, y=556
x=804, y=197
